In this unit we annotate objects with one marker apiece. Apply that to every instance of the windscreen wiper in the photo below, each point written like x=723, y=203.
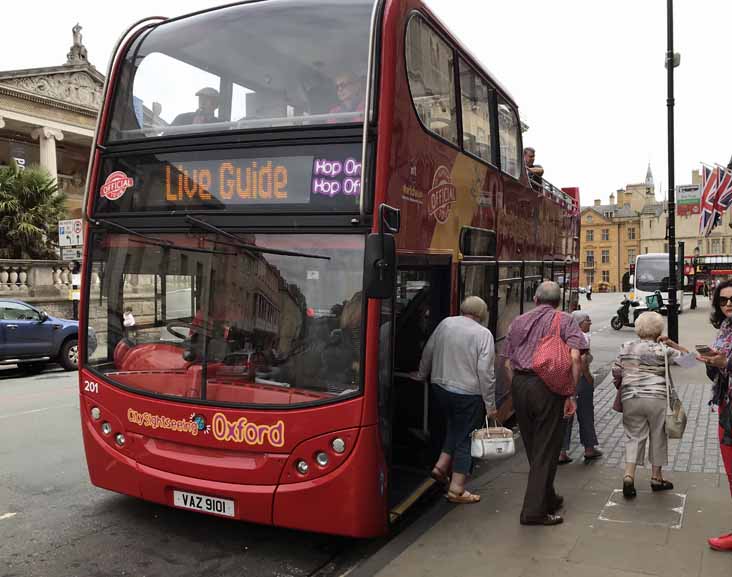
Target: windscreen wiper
x=202, y=224
x=143, y=238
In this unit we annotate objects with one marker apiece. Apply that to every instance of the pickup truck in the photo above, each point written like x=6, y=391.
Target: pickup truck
x=30, y=338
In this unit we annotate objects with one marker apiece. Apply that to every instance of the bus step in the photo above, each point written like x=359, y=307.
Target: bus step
x=410, y=500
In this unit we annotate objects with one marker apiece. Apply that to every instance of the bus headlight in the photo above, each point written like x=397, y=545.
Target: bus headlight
x=106, y=428
x=322, y=459
x=302, y=467
x=120, y=439
x=96, y=414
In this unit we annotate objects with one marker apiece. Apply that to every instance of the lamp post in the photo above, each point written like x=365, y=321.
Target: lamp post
x=672, y=61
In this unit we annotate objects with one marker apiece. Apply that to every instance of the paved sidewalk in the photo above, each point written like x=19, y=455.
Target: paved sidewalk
x=603, y=535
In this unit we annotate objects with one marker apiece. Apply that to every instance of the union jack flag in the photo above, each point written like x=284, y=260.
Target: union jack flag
x=710, y=182
x=724, y=191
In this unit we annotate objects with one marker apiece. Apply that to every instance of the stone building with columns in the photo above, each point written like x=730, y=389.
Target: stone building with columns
x=48, y=116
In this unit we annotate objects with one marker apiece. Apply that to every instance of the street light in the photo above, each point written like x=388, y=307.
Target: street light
x=672, y=61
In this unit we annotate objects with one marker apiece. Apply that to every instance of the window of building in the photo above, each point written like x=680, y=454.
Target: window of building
x=508, y=135
x=665, y=247
x=476, y=113
x=590, y=256
x=430, y=65
x=589, y=218
x=590, y=277
x=716, y=249
x=590, y=235
x=605, y=234
x=605, y=256
x=606, y=276
x=631, y=232
x=631, y=255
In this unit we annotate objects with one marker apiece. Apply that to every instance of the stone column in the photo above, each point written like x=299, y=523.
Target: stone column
x=47, y=138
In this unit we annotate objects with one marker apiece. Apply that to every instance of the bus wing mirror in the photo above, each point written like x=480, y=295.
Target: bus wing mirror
x=380, y=269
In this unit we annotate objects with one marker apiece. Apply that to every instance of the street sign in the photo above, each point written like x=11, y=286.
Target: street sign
x=71, y=253
x=70, y=233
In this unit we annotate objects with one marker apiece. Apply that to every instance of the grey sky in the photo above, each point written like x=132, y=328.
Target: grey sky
x=588, y=76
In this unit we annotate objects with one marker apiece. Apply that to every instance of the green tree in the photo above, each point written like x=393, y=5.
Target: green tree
x=30, y=208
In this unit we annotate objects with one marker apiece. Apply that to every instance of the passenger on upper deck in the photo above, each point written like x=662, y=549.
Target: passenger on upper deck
x=534, y=170
x=350, y=91
x=208, y=102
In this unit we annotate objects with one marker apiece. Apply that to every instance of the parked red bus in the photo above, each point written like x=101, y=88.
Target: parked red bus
x=285, y=198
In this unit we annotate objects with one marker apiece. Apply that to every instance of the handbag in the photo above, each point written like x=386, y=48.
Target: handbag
x=675, y=413
x=552, y=361
x=492, y=443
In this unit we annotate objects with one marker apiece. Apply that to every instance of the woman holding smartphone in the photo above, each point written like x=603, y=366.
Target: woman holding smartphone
x=719, y=369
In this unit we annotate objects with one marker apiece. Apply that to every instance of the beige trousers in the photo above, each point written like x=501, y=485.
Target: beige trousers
x=644, y=418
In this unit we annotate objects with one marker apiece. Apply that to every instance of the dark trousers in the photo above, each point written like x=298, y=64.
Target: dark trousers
x=585, y=417
x=463, y=414
x=539, y=413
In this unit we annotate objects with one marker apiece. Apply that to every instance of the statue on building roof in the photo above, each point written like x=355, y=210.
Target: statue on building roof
x=77, y=54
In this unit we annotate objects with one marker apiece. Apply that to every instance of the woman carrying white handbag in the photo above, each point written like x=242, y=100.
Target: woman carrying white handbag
x=458, y=360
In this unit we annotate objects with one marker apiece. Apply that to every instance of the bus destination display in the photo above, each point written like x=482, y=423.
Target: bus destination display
x=328, y=178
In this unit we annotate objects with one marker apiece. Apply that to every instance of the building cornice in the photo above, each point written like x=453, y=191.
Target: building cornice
x=51, y=102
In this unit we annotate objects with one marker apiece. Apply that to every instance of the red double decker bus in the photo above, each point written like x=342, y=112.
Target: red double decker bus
x=286, y=197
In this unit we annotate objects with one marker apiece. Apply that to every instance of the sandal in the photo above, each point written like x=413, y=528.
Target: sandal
x=463, y=498
x=564, y=461
x=661, y=485
x=629, y=487
x=440, y=476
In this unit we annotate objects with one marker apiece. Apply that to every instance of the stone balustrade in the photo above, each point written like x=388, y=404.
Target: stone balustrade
x=34, y=278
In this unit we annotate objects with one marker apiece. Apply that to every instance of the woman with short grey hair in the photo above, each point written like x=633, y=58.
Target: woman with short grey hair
x=585, y=402
x=640, y=375
x=458, y=360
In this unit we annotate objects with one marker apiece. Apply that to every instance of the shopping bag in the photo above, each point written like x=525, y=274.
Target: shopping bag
x=492, y=443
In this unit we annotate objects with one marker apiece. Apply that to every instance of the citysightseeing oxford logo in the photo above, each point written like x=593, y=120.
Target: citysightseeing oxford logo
x=442, y=195
x=116, y=185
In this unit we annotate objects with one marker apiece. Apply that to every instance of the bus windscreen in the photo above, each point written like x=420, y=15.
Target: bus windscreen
x=202, y=317
x=257, y=65
x=652, y=274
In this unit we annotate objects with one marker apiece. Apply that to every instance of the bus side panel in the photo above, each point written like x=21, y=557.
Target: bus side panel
x=349, y=501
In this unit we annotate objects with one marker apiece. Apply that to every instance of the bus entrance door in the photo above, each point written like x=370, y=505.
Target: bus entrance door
x=422, y=301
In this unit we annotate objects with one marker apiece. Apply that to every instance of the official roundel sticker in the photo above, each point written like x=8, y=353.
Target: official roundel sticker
x=116, y=185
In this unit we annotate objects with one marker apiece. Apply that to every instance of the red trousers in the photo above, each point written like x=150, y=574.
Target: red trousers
x=726, y=451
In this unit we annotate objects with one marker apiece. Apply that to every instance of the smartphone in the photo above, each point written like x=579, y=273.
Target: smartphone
x=703, y=349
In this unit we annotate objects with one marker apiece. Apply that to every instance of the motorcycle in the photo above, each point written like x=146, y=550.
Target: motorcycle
x=622, y=319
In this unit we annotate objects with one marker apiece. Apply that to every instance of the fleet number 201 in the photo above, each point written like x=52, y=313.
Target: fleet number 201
x=91, y=387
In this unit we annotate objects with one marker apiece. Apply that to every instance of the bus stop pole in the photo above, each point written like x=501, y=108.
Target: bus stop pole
x=671, y=63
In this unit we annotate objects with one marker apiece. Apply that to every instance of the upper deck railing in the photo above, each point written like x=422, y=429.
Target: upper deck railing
x=548, y=190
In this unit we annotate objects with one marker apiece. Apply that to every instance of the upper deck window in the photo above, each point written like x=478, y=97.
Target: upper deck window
x=430, y=69
x=258, y=65
x=476, y=113
x=508, y=132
